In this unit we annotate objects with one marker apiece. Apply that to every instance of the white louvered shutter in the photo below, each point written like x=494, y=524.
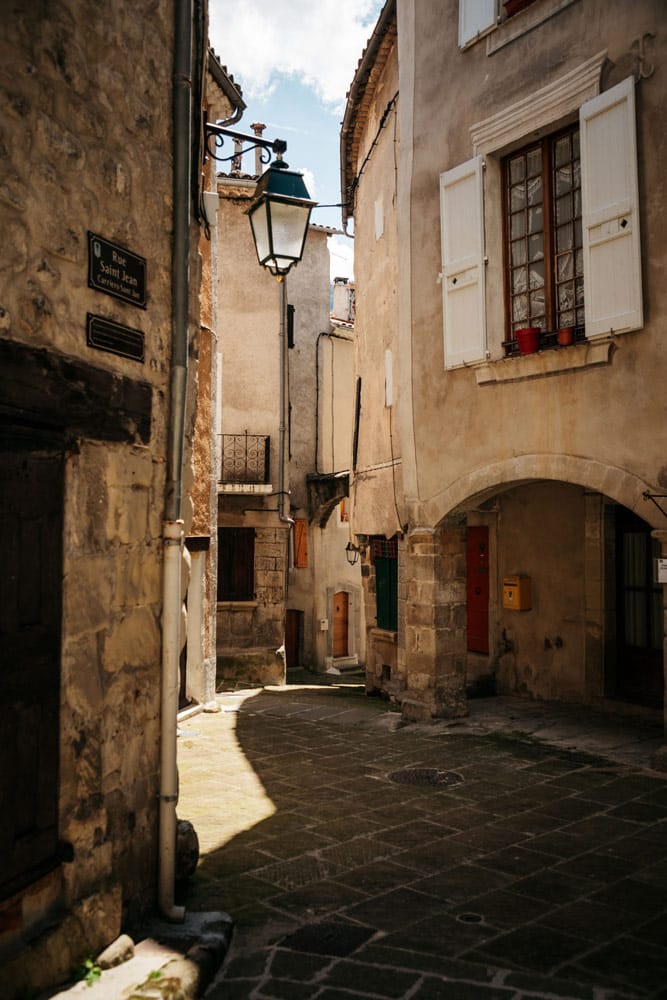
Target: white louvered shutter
x=475, y=16
x=610, y=210
x=462, y=238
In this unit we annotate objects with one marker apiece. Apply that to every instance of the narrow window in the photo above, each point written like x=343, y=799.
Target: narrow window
x=384, y=553
x=236, y=564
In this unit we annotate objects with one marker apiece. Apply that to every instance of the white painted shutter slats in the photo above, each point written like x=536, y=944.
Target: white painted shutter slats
x=462, y=238
x=475, y=16
x=610, y=210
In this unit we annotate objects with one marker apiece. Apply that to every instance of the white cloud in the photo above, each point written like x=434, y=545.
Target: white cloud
x=319, y=43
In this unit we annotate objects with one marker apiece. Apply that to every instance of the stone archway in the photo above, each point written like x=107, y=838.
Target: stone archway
x=479, y=484
x=435, y=645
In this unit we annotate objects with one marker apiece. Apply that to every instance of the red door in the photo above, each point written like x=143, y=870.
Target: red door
x=478, y=589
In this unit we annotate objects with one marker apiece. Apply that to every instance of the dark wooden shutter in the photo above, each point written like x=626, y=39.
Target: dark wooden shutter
x=385, y=559
x=301, y=544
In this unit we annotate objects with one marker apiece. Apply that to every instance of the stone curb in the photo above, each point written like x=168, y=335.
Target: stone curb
x=170, y=962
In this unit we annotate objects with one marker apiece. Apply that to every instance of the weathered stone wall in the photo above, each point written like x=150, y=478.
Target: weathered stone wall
x=250, y=633
x=85, y=144
x=435, y=629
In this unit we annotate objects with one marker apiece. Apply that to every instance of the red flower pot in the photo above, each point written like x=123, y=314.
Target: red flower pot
x=528, y=339
x=565, y=336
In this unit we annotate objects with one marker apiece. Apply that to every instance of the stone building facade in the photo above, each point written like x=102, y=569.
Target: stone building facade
x=281, y=562
x=525, y=194
x=324, y=620
x=85, y=338
x=252, y=540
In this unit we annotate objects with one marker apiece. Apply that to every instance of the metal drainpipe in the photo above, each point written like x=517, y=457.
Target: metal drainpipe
x=173, y=524
x=283, y=401
x=282, y=280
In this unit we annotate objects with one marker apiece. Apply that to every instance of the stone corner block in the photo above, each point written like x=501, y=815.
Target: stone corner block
x=413, y=710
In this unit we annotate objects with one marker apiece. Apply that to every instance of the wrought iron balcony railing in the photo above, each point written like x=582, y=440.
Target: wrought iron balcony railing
x=245, y=458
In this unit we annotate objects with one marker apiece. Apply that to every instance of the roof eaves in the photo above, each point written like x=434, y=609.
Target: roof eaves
x=225, y=81
x=355, y=97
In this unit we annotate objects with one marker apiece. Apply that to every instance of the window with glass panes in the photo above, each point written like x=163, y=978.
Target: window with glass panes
x=543, y=238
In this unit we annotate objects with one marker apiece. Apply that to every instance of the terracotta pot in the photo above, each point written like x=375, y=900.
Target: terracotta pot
x=565, y=336
x=528, y=339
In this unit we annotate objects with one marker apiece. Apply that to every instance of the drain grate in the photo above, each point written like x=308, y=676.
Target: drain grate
x=335, y=938
x=425, y=776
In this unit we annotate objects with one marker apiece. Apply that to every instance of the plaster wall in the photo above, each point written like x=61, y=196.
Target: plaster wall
x=308, y=292
x=336, y=409
x=581, y=413
x=541, y=534
x=377, y=481
x=248, y=325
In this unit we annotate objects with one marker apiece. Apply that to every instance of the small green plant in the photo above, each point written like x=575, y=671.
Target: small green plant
x=89, y=972
x=155, y=974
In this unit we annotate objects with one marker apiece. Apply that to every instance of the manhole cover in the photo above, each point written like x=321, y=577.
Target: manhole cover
x=425, y=776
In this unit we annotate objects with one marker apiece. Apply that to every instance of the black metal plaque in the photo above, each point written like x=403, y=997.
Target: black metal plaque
x=105, y=335
x=116, y=271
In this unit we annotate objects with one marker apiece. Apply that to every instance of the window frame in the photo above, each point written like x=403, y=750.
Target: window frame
x=384, y=557
x=229, y=552
x=548, y=332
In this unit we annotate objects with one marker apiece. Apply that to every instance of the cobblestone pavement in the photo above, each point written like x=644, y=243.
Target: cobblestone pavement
x=529, y=859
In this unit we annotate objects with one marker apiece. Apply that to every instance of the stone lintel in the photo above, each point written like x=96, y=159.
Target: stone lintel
x=69, y=394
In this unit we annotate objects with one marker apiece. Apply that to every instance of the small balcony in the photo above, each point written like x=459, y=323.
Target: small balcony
x=245, y=463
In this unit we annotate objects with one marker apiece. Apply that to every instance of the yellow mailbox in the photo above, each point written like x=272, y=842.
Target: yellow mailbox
x=516, y=593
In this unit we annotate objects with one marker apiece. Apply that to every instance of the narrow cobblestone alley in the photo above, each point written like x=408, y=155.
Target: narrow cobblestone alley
x=510, y=855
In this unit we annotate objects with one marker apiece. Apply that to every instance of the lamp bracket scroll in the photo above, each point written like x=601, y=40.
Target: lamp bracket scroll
x=215, y=136
x=654, y=498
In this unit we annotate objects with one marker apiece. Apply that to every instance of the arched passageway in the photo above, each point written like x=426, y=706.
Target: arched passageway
x=538, y=585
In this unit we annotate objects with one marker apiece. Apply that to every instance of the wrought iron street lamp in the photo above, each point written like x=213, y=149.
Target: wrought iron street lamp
x=279, y=218
x=352, y=552
x=281, y=206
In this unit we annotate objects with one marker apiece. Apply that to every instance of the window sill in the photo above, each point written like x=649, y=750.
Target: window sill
x=549, y=362
x=237, y=605
x=523, y=21
x=389, y=635
x=245, y=488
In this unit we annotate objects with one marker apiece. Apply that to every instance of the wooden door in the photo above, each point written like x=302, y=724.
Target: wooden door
x=478, y=589
x=340, y=623
x=640, y=614
x=31, y=522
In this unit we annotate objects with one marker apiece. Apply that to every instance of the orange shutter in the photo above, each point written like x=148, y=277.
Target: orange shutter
x=301, y=544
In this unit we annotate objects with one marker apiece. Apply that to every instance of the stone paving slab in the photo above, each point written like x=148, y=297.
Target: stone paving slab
x=543, y=874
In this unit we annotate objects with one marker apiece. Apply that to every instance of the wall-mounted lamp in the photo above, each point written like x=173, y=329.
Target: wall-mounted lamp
x=352, y=553
x=281, y=207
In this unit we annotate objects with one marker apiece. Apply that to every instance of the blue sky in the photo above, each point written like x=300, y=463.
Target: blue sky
x=295, y=60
